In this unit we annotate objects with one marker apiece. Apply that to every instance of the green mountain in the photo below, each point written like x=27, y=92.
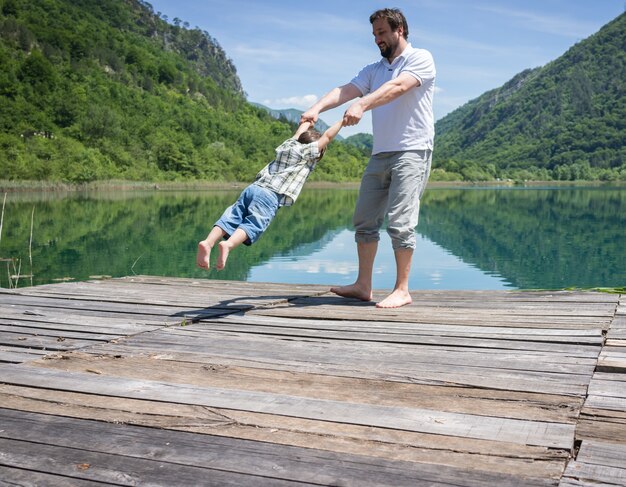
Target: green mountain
x=565, y=120
x=362, y=141
x=93, y=90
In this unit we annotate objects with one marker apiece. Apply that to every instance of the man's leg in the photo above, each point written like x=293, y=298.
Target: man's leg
x=368, y=218
x=400, y=295
x=362, y=287
x=204, y=247
x=409, y=176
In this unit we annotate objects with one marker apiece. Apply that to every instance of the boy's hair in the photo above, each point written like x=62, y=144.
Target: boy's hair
x=311, y=135
x=395, y=17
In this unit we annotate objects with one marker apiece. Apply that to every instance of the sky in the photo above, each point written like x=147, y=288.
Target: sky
x=289, y=54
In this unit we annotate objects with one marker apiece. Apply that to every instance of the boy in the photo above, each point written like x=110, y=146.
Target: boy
x=277, y=184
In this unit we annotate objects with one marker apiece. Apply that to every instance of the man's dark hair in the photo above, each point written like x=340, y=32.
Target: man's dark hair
x=308, y=136
x=395, y=17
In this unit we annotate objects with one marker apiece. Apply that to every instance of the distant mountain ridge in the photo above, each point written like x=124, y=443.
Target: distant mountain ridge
x=362, y=141
x=292, y=115
x=565, y=120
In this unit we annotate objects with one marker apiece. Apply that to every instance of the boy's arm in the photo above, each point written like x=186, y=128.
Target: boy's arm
x=303, y=127
x=330, y=134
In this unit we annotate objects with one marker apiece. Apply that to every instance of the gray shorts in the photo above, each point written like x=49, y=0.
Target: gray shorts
x=392, y=185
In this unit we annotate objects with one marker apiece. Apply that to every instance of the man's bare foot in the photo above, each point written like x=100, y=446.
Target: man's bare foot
x=353, y=291
x=203, y=255
x=396, y=299
x=223, y=255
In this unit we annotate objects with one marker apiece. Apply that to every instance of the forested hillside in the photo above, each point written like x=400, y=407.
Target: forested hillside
x=93, y=90
x=565, y=120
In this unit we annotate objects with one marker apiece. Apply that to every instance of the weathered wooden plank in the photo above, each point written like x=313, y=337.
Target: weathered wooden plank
x=43, y=342
x=224, y=294
x=601, y=428
x=66, y=320
x=392, y=327
x=551, y=309
x=541, y=407
x=470, y=304
x=18, y=354
x=596, y=473
x=614, y=376
x=297, y=309
x=606, y=415
x=600, y=453
x=368, y=369
x=574, y=370
x=423, y=420
x=55, y=333
x=29, y=478
x=486, y=455
x=359, y=336
x=116, y=469
x=570, y=482
x=612, y=388
x=442, y=353
x=224, y=454
x=167, y=312
x=612, y=362
x=606, y=402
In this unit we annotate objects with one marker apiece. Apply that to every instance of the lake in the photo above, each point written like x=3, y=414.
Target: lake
x=470, y=238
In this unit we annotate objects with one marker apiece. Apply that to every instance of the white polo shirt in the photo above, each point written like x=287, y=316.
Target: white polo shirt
x=406, y=123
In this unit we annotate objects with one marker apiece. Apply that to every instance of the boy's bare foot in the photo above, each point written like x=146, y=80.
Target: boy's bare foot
x=203, y=255
x=353, y=291
x=223, y=255
x=396, y=299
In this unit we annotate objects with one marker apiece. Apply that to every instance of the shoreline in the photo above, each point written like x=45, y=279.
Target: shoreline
x=120, y=185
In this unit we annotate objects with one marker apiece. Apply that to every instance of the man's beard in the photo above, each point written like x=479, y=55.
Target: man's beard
x=387, y=50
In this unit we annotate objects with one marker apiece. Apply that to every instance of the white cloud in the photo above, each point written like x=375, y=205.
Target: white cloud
x=304, y=101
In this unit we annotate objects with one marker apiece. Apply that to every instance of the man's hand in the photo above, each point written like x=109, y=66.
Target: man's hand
x=353, y=114
x=309, y=116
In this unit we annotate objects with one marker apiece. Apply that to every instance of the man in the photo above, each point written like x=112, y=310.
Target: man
x=399, y=90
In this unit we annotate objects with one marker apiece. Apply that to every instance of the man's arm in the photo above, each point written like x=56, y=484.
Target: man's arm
x=330, y=134
x=334, y=98
x=389, y=91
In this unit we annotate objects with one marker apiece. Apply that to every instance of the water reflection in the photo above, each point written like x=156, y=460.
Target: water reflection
x=535, y=238
x=335, y=263
x=467, y=238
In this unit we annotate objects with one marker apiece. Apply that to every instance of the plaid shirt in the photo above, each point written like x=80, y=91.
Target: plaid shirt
x=288, y=172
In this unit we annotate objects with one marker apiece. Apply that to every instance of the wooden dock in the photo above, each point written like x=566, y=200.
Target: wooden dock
x=181, y=382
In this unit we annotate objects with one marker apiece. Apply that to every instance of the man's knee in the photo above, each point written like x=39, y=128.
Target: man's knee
x=366, y=236
x=402, y=237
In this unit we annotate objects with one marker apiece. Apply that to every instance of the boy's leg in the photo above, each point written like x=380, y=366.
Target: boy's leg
x=204, y=247
x=237, y=238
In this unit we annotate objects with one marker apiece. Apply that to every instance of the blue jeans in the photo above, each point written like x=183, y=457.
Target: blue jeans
x=252, y=212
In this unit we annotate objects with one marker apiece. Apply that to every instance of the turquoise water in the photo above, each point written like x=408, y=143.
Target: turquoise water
x=522, y=238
